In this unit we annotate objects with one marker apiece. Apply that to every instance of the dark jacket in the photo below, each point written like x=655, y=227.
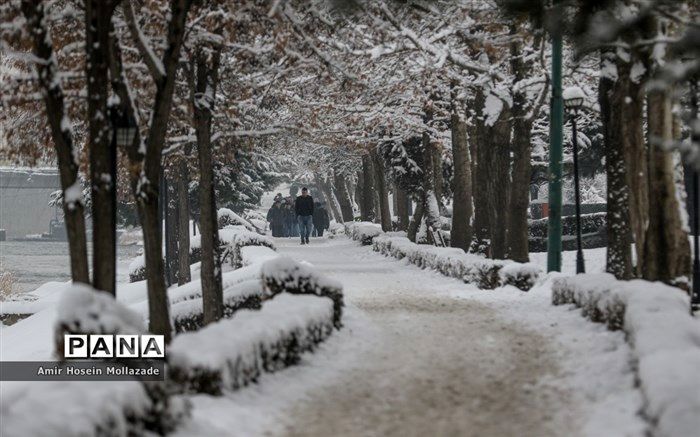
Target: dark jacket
x=304, y=205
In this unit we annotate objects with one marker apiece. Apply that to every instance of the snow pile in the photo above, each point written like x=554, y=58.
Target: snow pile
x=75, y=408
x=335, y=229
x=234, y=352
x=664, y=337
x=233, y=238
x=283, y=274
x=137, y=269
x=22, y=305
x=227, y=217
x=363, y=232
x=256, y=254
x=471, y=268
x=83, y=408
x=84, y=310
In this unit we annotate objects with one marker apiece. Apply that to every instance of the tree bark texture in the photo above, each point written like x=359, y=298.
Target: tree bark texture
x=462, y=207
x=343, y=196
x=619, y=256
x=53, y=97
x=183, y=212
x=206, y=83
x=381, y=189
x=368, y=190
x=667, y=249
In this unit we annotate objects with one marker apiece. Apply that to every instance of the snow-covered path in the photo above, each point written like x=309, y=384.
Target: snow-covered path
x=436, y=365
x=424, y=354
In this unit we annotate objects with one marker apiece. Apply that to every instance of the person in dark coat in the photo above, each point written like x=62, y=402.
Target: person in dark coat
x=290, y=218
x=321, y=220
x=304, y=208
x=276, y=218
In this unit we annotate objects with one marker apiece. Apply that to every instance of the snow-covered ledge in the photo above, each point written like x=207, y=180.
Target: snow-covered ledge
x=664, y=337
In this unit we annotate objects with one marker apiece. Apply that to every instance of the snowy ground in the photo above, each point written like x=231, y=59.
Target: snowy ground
x=425, y=354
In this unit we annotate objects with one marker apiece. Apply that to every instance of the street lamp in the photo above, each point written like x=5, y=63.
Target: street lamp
x=573, y=101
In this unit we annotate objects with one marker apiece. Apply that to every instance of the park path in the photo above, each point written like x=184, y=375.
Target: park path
x=430, y=364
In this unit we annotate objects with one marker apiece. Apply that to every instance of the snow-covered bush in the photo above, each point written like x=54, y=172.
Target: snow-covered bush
x=363, y=232
x=335, y=229
x=665, y=341
x=188, y=314
x=592, y=230
x=233, y=238
x=137, y=407
x=471, y=268
x=137, y=269
x=84, y=310
x=283, y=274
x=234, y=352
x=227, y=217
x=256, y=254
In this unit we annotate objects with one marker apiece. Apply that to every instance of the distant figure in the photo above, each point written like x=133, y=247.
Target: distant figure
x=290, y=219
x=278, y=197
x=304, y=208
x=276, y=218
x=321, y=220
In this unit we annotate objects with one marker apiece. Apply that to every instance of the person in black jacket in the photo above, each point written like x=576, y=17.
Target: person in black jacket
x=321, y=221
x=276, y=218
x=304, y=208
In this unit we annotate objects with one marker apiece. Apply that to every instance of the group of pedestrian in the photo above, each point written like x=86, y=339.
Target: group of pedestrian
x=298, y=218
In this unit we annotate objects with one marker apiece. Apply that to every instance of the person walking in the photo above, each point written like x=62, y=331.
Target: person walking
x=321, y=221
x=304, y=208
x=276, y=218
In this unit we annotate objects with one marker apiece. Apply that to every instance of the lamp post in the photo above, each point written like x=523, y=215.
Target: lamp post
x=124, y=130
x=573, y=101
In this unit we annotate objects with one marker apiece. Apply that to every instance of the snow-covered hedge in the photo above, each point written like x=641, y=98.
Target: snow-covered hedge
x=283, y=274
x=665, y=340
x=234, y=238
x=188, y=314
x=363, y=232
x=78, y=408
x=234, y=352
x=84, y=310
x=227, y=217
x=137, y=269
x=471, y=268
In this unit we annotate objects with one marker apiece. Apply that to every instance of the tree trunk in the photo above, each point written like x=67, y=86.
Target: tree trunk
x=328, y=193
x=667, y=249
x=462, y=208
x=212, y=291
x=380, y=185
x=402, y=206
x=183, y=210
x=628, y=101
x=52, y=93
x=171, y=230
x=519, y=197
x=343, y=196
x=98, y=17
x=367, y=198
x=619, y=256
x=479, y=152
x=497, y=164
x=413, y=227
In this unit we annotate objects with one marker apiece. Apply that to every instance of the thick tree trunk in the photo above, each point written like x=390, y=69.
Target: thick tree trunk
x=519, y=197
x=479, y=152
x=667, y=249
x=402, y=207
x=98, y=17
x=343, y=196
x=628, y=101
x=462, y=208
x=619, y=256
x=330, y=196
x=497, y=166
x=212, y=291
x=381, y=189
x=367, y=198
x=184, y=223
